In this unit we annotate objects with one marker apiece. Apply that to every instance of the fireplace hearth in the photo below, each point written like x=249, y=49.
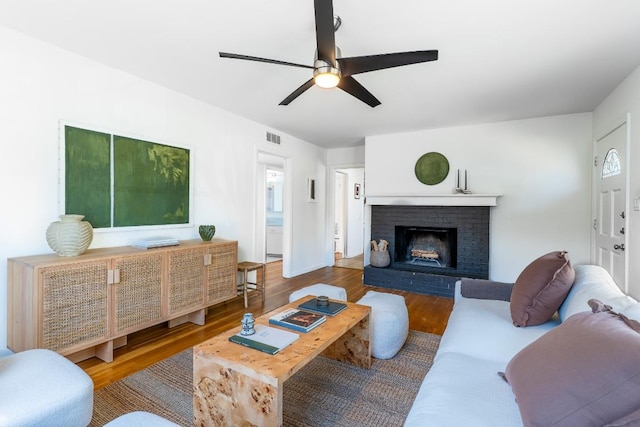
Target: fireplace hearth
x=431, y=247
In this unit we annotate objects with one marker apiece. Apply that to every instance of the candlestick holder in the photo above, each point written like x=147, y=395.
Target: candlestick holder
x=458, y=188
x=461, y=191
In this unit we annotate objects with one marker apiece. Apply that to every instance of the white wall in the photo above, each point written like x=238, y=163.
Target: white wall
x=41, y=84
x=542, y=168
x=346, y=157
x=626, y=99
x=308, y=219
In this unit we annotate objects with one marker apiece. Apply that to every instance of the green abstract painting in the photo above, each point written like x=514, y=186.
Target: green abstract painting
x=151, y=183
x=117, y=181
x=87, y=175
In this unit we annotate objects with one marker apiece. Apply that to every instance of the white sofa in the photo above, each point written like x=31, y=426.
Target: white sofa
x=463, y=387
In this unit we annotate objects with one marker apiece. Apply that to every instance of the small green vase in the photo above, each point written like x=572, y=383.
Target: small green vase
x=207, y=232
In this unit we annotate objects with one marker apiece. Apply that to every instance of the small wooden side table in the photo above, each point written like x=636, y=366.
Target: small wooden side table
x=245, y=267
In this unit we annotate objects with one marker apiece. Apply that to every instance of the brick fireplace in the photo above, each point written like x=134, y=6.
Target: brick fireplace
x=431, y=247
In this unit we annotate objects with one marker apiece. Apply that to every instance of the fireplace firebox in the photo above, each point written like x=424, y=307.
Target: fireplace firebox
x=426, y=246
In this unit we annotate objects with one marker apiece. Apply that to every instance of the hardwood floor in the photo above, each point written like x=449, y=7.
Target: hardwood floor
x=426, y=313
x=354, y=262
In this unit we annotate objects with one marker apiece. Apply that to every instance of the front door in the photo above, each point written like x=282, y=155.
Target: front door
x=610, y=222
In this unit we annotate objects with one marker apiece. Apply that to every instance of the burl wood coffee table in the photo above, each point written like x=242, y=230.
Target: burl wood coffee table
x=235, y=385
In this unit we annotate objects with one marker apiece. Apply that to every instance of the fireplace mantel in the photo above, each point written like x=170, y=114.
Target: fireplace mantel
x=434, y=200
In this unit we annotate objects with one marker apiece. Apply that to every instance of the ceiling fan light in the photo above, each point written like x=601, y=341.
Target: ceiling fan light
x=325, y=75
x=327, y=80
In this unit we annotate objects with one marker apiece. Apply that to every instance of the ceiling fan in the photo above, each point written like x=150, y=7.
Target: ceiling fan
x=329, y=70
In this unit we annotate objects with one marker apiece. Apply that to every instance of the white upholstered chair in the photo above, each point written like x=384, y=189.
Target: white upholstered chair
x=42, y=388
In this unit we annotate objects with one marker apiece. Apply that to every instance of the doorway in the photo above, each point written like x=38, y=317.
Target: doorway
x=274, y=212
x=348, y=227
x=611, y=202
x=340, y=227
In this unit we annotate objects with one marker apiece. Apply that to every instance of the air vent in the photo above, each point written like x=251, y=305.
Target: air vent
x=272, y=137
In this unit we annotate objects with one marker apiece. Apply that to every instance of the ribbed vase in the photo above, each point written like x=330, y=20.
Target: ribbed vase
x=70, y=236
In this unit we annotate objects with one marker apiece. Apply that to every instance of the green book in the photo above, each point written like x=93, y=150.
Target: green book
x=266, y=339
x=331, y=309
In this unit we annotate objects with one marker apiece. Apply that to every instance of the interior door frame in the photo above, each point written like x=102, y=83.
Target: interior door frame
x=624, y=120
x=331, y=213
x=344, y=232
x=260, y=223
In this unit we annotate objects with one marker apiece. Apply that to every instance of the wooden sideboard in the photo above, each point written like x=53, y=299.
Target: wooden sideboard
x=86, y=306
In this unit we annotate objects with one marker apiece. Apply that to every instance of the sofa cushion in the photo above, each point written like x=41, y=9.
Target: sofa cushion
x=592, y=282
x=461, y=390
x=485, y=289
x=583, y=373
x=482, y=329
x=541, y=288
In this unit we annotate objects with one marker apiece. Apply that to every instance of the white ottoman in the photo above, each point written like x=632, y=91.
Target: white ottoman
x=42, y=388
x=331, y=291
x=389, y=323
x=139, y=419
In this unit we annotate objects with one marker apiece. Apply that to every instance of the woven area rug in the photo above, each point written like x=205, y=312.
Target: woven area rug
x=323, y=393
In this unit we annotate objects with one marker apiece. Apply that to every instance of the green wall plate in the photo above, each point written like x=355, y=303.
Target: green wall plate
x=432, y=168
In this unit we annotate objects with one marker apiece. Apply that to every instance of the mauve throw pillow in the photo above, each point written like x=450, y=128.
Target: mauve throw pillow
x=631, y=420
x=585, y=372
x=541, y=288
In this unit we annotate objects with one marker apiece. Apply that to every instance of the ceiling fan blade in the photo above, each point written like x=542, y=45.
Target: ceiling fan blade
x=257, y=59
x=364, y=64
x=325, y=32
x=352, y=87
x=296, y=93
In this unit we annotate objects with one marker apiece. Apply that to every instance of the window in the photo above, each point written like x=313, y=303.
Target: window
x=611, y=164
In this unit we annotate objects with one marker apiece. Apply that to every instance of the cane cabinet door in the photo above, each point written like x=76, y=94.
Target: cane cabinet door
x=221, y=273
x=75, y=305
x=186, y=281
x=137, y=292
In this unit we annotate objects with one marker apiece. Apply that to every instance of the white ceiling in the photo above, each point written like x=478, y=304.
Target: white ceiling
x=499, y=59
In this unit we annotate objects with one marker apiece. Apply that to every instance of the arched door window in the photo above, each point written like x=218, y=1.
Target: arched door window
x=611, y=164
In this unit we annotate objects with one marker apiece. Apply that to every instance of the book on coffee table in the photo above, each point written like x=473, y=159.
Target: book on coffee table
x=298, y=320
x=266, y=339
x=332, y=308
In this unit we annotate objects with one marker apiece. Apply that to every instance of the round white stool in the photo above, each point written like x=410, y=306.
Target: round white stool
x=389, y=323
x=331, y=291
